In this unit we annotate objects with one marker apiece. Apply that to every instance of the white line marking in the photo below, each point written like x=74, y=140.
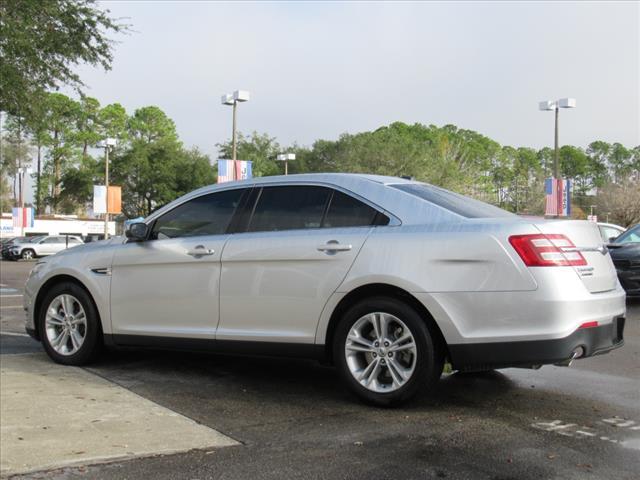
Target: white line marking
x=14, y=334
x=7, y=296
x=10, y=306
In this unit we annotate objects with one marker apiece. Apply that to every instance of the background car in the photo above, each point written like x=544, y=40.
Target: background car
x=8, y=243
x=610, y=231
x=42, y=246
x=625, y=253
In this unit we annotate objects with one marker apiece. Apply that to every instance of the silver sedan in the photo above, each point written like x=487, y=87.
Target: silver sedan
x=387, y=278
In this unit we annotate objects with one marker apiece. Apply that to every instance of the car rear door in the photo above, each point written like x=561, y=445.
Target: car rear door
x=291, y=254
x=167, y=286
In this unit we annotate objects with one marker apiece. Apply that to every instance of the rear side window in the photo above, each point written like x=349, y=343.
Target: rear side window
x=205, y=215
x=454, y=202
x=289, y=208
x=346, y=211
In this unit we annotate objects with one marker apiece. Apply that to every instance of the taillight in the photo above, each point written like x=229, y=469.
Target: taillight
x=550, y=250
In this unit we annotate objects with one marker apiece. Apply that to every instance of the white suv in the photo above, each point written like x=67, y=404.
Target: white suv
x=42, y=246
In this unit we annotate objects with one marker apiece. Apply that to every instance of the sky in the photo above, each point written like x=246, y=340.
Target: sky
x=317, y=70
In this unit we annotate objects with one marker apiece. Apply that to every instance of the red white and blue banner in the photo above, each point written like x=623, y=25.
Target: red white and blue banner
x=230, y=170
x=558, y=197
x=22, y=217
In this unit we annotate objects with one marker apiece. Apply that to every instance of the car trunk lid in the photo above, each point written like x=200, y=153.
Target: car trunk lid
x=599, y=274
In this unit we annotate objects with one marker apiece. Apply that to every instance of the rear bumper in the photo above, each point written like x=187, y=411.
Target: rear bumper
x=486, y=356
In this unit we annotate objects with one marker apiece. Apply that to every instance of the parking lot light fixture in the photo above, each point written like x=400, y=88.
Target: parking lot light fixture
x=555, y=106
x=233, y=99
x=285, y=157
x=107, y=143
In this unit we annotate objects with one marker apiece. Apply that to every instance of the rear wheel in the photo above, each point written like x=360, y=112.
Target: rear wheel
x=385, y=352
x=69, y=325
x=28, y=254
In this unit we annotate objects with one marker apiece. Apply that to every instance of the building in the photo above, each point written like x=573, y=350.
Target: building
x=88, y=228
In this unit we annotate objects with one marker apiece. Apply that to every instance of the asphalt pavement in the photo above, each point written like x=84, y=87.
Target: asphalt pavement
x=293, y=419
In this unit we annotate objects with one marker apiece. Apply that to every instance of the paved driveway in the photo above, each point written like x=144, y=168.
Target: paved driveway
x=293, y=420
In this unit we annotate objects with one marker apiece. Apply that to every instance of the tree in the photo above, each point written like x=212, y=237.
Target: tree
x=15, y=153
x=42, y=41
x=621, y=201
x=60, y=117
x=147, y=170
x=261, y=149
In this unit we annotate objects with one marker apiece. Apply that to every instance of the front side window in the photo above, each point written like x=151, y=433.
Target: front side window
x=52, y=240
x=205, y=215
x=289, y=208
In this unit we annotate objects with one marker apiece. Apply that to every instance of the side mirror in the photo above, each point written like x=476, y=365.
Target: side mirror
x=137, y=232
x=611, y=239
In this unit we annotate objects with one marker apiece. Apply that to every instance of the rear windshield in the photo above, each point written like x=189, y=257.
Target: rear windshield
x=454, y=202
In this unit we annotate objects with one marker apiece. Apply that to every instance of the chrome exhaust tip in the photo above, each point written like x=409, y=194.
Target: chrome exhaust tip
x=577, y=353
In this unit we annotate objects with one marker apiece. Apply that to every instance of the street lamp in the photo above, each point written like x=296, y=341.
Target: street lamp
x=285, y=157
x=106, y=144
x=550, y=105
x=233, y=99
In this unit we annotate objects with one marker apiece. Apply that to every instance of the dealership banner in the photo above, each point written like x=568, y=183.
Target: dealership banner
x=558, y=197
x=22, y=217
x=230, y=170
x=103, y=203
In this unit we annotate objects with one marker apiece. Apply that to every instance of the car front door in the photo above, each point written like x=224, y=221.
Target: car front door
x=49, y=246
x=298, y=245
x=167, y=286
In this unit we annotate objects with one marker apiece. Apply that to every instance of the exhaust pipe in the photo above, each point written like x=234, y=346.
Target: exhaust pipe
x=577, y=353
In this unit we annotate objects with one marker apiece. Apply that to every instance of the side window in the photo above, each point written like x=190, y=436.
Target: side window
x=289, y=208
x=204, y=215
x=346, y=211
x=51, y=240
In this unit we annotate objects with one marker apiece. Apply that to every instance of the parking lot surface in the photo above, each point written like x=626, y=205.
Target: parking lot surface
x=292, y=418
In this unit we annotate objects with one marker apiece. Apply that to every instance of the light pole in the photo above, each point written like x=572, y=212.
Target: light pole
x=233, y=99
x=106, y=144
x=285, y=157
x=550, y=105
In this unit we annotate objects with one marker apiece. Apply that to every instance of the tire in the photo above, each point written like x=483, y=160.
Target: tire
x=387, y=385
x=27, y=254
x=54, y=319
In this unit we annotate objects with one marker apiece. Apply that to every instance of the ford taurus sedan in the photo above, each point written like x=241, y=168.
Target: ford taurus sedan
x=386, y=278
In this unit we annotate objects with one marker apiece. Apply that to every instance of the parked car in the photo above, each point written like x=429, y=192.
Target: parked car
x=7, y=244
x=625, y=253
x=385, y=277
x=42, y=246
x=610, y=231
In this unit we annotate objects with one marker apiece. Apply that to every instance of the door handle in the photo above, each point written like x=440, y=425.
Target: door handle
x=200, y=251
x=333, y=247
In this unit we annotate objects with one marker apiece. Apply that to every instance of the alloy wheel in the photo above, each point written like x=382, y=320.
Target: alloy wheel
x=381, y=352
x=66, y=324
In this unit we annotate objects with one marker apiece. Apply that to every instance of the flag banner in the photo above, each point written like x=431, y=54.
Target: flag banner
x=23, y=217
x=558, y=197
x=99, y=199
x=228, y=170
x=114, y=199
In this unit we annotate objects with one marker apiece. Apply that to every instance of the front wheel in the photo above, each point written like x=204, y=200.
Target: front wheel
x=28, y=254
x=69, y=325
x=385, y=352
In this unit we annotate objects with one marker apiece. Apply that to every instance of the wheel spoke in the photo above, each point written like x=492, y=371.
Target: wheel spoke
x=76, y=339
x=359, y=344
x=54, y=319
x=79, y=318
x=67, y=305
x=407, y=346
x=371, y=372
x=395, y=375
x=404, y=373
x=376, y=325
